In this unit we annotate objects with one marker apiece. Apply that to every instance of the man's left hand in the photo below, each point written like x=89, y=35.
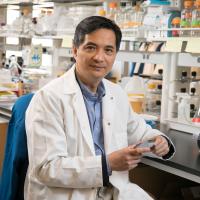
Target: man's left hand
x=161, y=146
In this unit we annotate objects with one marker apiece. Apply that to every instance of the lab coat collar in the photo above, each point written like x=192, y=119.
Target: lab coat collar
x=70, y=83
x=108, y=108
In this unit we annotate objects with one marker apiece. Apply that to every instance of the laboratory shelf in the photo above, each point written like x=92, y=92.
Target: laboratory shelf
x=187, y=59
x=188, y=127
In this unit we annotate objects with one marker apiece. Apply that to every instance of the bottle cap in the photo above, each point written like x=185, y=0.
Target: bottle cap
x=184, y=74
x=193, y=73
x=158, y=102
x=183, y=90
x=102, y=12
x=192, y=106
x=112, y=5
x=160, y=71
x=197, y=3
x=159, y=87
x=188, y=4
x=176, y=21
x=151, y=86
x=193, y=90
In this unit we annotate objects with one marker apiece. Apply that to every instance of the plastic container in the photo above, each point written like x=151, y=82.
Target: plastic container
x=112, y=11
x=186, y=19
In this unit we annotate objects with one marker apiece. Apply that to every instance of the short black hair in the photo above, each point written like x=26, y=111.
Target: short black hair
x=93, y=23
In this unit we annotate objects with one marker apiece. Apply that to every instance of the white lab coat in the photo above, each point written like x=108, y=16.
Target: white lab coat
x=62, y=160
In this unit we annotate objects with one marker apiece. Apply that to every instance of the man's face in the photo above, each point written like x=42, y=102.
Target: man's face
x=96, y=55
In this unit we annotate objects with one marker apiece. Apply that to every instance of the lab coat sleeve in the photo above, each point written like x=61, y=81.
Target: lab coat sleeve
x=139, y=130
x=49, y=160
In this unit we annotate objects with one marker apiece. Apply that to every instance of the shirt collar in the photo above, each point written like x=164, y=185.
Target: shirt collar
x=90, y=95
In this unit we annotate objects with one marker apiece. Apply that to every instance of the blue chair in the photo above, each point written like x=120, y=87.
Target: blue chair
x=16, y=154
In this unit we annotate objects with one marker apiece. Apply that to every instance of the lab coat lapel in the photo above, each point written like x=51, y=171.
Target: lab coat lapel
x=81, y=113
x=108, y=115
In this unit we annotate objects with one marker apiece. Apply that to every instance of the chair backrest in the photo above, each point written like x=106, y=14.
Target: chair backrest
x=16, y=154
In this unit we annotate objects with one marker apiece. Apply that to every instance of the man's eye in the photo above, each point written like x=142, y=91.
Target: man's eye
x=90, y=48
x=109, y=51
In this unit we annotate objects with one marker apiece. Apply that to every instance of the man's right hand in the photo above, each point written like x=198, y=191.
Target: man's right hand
x=126, y=158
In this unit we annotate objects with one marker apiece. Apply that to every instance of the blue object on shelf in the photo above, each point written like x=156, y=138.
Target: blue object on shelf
x=151, y=123
x=160, y=2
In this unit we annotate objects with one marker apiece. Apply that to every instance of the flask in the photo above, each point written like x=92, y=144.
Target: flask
x=196, y=19
x=186, y=18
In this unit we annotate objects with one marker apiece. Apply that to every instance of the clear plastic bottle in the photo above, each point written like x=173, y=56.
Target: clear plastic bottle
x=120, y=14
x=186, y=19
x=112, y=11
x=127, y=15
x=196, y=19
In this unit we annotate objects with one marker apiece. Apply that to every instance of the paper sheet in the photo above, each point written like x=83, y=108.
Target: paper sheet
x=193, y=45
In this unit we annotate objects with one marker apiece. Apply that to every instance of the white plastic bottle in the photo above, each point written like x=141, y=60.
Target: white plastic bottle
x=184, y=109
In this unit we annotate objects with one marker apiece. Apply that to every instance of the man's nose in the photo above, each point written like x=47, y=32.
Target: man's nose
x=99, y=55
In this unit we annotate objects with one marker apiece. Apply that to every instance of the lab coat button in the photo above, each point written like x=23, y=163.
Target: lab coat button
x=108, y=123
x=111, y=98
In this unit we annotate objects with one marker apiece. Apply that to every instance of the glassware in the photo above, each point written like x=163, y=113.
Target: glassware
x=196, y=19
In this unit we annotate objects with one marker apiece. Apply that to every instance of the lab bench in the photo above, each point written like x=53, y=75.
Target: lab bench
x=171, y=177
x=185, y=162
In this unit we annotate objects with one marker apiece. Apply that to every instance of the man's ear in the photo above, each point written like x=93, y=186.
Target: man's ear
x=74, y=51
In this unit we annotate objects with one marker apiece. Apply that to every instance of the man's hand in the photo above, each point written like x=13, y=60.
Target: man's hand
x=126, y=158
x=160, y=147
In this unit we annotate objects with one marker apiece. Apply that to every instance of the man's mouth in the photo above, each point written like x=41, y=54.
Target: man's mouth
x=97, y=67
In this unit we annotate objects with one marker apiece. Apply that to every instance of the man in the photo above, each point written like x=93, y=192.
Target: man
x=81, y=131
